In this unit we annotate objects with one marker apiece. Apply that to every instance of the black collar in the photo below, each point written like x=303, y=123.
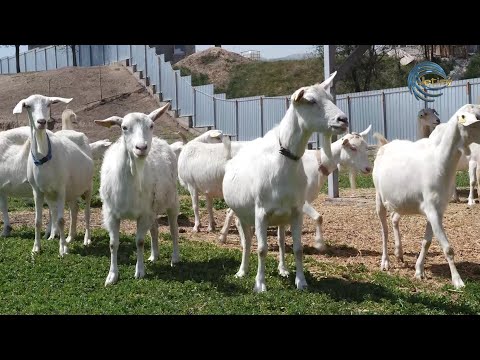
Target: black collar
x=44, y=159
x=287, y=153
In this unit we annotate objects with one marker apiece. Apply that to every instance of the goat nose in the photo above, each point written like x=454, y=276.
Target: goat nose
x=438, y=122
x=343, y=118
x=141, y=147
x=42, y=121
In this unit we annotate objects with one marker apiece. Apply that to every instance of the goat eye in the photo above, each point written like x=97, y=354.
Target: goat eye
x=463, y=116
x=151, y=127
x=124, y=128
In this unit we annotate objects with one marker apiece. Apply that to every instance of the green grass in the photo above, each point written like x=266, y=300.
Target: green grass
x=203, y=283
x=273, y=78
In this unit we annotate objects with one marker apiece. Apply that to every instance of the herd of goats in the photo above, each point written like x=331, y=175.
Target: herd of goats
x=270, y=181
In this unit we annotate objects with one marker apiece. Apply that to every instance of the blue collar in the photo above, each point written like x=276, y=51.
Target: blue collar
x=44, y=159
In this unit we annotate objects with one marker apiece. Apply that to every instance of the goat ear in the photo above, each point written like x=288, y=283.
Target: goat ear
x=467, y=118
x=346, y=143
x=366, y=131
x=328, y=82
x=298, y=95
x=113, y=120
x=216, y=134
x=155, y=114
x=19, y=107
x=56, y=100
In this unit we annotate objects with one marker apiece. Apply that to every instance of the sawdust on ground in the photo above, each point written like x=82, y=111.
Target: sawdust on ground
x=352, y=231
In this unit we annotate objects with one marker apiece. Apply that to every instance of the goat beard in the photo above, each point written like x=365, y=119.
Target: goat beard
x=137, y=167
x=41, y=142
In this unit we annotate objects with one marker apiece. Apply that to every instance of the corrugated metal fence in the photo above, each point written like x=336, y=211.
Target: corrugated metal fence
x=391, y=112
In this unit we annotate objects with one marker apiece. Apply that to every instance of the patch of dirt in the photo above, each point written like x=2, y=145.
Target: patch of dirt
x=352, y=231
x=119, y=94
x=214, y=62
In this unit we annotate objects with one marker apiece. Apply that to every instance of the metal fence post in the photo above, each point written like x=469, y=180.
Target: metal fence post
x=25, y=60
x=8, y=65
x=176, y=93
x=35, y=53
x=237, y=128
x=160, y=79
x=469, y=92
x=194, y=107
x=130, y=54
x=349, y=111
x=214, y=112
x=384, y=114
x=117, y=57
x=261, y=116
x=146, y=63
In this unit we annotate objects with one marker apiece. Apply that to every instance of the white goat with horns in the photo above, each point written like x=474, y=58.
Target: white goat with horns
x=264, y=184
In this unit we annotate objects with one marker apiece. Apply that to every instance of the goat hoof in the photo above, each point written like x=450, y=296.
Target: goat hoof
x=458, y=283
x=301, y=283
x=69, y=239
x=112, y=278
x=36, y=249
x=51, y=237
x=240, y=273
x=420, y=275
x=222, y=239
x=385, y=265
x=152, y=258
x=321, y=247
x=211, y=229
x=259, y=287
x=175, y=260
x=283, y=272
x=471, y=202
x=195, y=229
x=87, y=242
x=139, y=274
x=6, y=231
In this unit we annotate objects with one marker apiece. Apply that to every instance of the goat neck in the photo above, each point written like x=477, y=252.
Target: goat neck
x=448, y=148
x=39, y=138
x=327, y=164
x=292, y=136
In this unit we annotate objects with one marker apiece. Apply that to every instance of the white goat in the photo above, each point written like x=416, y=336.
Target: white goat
x=210, y=137
x=58, y=170
x=427, y=120
x=472, y=164
x=138, y=181
x=265, y=182
x=351, y=151
x=411, y=178
x=98, y=148
x=14, y=152
x=201, y=167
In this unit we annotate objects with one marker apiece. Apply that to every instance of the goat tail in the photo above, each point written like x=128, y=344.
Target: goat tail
x=380, y=138
x=184, y=138
x=227, y=145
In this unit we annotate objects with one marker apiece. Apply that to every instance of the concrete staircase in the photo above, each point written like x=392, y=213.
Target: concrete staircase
x=183, y=121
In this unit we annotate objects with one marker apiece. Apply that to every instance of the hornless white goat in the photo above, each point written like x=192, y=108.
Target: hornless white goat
x=58, y=170
x=201, y=167
x=411, y=178
x=265, y=182
x=351, y=151
x=138, y=181
x=472, y=164
x=98, y=148
x=210, y=137
x=427, y=120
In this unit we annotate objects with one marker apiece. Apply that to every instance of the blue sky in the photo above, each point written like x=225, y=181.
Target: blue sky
x=266, y=51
